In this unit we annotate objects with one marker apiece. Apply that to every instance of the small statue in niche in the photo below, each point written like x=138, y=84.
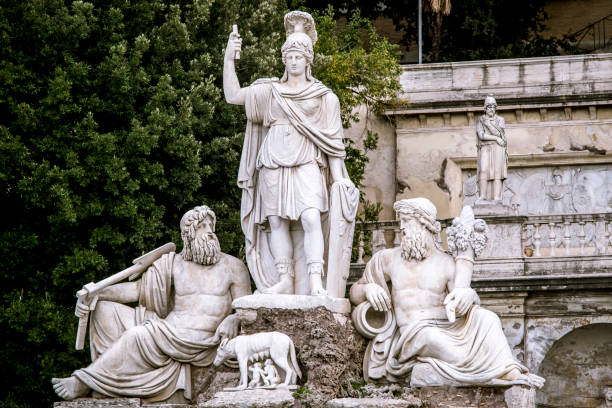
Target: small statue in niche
x=492, y=153
x=556, y=193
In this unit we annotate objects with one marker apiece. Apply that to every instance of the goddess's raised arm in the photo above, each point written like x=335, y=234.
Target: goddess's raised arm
x=234, y=94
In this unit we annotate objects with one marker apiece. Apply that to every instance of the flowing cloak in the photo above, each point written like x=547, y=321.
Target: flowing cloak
x=492, y=158
x=313, y=112
x=150, y=359
x=477, y=337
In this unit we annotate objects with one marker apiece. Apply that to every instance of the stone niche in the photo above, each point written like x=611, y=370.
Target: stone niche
x=578, y=368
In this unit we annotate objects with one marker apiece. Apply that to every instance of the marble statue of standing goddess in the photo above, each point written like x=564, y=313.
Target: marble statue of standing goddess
x=292, y=171
x=492, y=154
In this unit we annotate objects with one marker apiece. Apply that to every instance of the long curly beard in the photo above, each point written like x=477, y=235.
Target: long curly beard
x=415, y=246
x=204, y=249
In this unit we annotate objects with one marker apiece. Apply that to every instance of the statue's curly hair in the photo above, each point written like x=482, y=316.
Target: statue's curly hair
x=192, y=218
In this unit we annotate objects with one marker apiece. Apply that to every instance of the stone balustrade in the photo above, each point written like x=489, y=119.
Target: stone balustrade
x=542, y=245
x=567, y=235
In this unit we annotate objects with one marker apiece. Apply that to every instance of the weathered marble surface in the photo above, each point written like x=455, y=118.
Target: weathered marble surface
x=329, y=349
x=372, y=403
x=492, y=152
x=552, y=189
x=100, y=403
x=293, y=139
x=255, y=398
x=184, y=305
x=275, y=348
x=421, y=340
x=289, y=302
x=441, y=397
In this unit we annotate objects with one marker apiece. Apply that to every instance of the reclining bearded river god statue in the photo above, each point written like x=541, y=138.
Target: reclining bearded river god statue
x=183, y=313
x=298, y=204
x=434, y=329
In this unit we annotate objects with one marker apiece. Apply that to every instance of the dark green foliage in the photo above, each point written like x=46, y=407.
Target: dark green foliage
x=474, y=30
x=113, y=125
x=362, y=69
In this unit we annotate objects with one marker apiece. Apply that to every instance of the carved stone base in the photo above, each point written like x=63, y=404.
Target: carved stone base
x=293, y=302
x=256, y=398
x=99, y=403
x=483, y=207
x=423, y=375
x=475, y=397
x=176, y=401
x=329, y=349
x=372, y=403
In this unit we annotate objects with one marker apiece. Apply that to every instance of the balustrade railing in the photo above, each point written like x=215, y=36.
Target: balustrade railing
x=567, y=235
x=556, y=235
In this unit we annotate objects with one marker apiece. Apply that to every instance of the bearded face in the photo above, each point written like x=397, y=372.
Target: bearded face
x=205, y=249
x=201, y=244
x=416, y=239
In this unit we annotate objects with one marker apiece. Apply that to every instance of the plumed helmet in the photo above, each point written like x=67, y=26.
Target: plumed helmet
x=301, y=34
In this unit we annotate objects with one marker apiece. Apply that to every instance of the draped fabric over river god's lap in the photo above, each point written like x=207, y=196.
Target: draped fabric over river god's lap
x=476, y=337
x=149, y=359
x=289, y=137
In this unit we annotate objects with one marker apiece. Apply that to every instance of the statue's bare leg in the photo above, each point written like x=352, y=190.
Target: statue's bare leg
x=69, y=388
x=497, y=190
x=313, y=249
x=281, y=247
x=482, y=189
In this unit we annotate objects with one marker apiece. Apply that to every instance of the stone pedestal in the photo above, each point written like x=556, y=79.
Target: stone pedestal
x=373, y=403
x=329, y=349
x=484, y=208
x=256, y=398
x=476, y=397
x=99, y=403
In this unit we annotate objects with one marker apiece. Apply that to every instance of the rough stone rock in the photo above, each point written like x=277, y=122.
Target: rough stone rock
x=99, y=403
x=520, y=397
x=329, y=349
x=207, y=381
x=371, y=403
x=466, y=397
x=257, y=398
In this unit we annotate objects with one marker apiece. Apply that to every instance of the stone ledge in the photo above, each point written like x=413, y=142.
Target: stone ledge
x=292, y=302
x=117, y=403
x=251, y=398
x=372, y=403
x=99, y=403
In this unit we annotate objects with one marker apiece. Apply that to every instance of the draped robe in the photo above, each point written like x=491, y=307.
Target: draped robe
x=492, y=158
x=285, y=182
x=477, y=338
x=138, y=354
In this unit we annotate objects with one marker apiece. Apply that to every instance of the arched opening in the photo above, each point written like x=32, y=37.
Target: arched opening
x=578, y=369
